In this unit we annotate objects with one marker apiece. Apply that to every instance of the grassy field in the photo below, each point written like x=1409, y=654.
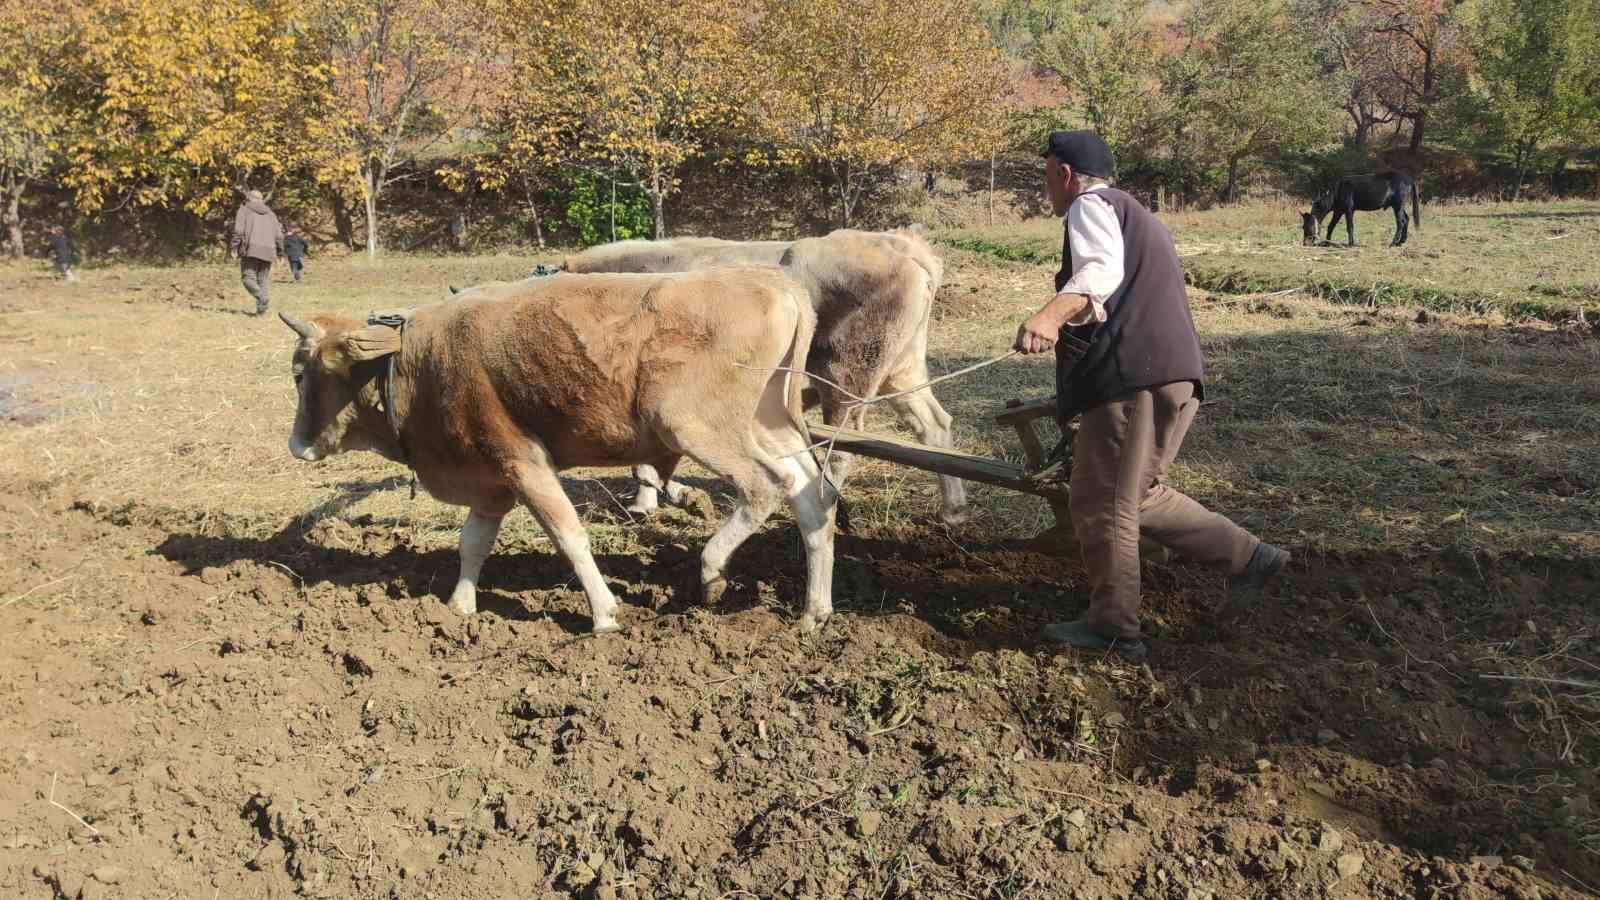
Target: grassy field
x=1520, y=261
x=253, y=648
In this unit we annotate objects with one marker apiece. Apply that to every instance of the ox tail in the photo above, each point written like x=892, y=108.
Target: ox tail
x=800, y=345
x=1416, y=205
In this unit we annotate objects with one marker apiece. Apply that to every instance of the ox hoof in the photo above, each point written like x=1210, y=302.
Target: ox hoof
x=810, y=622
x=711, y=590
x=640, y=508
x=958, y=516
x=610, y=627
x=465, y=606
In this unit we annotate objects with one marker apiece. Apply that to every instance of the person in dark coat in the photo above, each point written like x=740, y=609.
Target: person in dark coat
x=257, y=241
x=295, y=250
x=61, y=248
x=1129, y=367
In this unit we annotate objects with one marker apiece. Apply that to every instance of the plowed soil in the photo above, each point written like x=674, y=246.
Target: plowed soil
x=226, y=674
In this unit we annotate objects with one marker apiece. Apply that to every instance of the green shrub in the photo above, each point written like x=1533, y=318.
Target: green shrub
x=589, y=209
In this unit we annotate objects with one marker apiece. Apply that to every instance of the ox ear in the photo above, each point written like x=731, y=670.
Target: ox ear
x=308, y=331
x=371, y=342
x=361, y=345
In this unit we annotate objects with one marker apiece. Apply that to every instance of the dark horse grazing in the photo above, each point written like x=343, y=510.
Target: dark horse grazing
x=1366, y=192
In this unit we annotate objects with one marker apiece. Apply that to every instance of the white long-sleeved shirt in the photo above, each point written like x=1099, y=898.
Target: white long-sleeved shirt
x=1097, y=254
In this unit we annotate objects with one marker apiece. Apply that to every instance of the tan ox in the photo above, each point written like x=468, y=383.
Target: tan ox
x=685, y=254
x=873, y=293
x=489, y=395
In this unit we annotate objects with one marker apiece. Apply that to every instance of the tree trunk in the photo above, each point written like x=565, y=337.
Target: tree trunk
x=343, y=228
x=991, y=187
x=844, y=195
x=1419, y=123
x=1231, y=190
x=1523, y=155
x=13, y=214
x=656, y=202
x=1557, y=177
x=533, y=212
x=613, y=208
x=369, y=193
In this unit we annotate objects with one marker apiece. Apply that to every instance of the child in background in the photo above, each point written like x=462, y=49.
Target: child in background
x=61, y=246
x=295, y=249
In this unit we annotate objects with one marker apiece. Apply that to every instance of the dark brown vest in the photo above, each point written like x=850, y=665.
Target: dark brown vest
x=1148, y=337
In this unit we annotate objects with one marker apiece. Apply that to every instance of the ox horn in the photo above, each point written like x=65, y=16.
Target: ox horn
x=311, y=331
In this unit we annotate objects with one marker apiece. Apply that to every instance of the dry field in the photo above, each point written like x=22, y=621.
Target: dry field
x=226, y=673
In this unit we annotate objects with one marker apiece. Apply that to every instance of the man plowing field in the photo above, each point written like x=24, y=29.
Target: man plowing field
x=1128, y=362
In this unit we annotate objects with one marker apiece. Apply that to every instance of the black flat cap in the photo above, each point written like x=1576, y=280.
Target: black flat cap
x=1083, y=150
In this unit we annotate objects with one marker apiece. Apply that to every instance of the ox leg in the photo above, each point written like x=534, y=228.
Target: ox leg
x=654, y=479
x=1350, y=225
x=833, y=414
x=815, y=503
x=538, y=487
x=1399, y=225
x=922, y=413
x=758, y=500
x=477, y=542
x=814, y=509
x=1333, y=223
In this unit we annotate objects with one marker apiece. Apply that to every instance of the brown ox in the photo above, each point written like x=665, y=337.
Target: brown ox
x=495, y=391
x=873, y=293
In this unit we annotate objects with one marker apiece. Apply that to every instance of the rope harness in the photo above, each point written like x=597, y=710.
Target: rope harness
x=391, y=411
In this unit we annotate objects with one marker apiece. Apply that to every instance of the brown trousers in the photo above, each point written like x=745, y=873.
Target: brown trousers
x=1119, y=457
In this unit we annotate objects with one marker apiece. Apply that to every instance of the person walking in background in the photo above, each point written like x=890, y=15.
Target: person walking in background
x=61, y=247
x=257, y=240
x=294, y=250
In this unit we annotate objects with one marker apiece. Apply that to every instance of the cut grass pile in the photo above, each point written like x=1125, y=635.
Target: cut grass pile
x=1522, y=261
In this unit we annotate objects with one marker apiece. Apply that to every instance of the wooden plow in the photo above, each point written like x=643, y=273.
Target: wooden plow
x=1020, y=415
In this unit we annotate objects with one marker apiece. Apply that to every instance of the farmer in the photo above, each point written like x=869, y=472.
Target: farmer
x=294, y=250
x=257, y=240
x=1128, y=362
x=61, y=248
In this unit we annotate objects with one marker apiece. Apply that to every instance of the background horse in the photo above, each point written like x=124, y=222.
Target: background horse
x=1366, y=192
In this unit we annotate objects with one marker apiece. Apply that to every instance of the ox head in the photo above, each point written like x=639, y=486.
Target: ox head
x=1308, y=228
x=337, y=406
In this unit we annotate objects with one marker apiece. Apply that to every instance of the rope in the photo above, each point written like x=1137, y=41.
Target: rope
x=860, y=403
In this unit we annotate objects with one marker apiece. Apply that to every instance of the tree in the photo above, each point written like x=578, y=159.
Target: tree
x=1106, y=56
x=189, y=101
x=857, y=87
x=1534, y=79
x=35, y=112
x=1242, y=87
x=632, y=85
x=404, y=75
x=1417, y=44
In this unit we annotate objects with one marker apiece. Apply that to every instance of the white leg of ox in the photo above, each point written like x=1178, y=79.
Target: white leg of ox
x=757, y=502
x=814, y=511
x=537, y=485
x=651, y=485
x=647, y=499
x=921, y=412
x=477, y=542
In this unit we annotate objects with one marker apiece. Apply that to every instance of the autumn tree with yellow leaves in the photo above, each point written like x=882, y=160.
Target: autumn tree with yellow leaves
x=35, y=110
x=859, y=87
x=189, y=102
x=405, y=75
x=636, y=86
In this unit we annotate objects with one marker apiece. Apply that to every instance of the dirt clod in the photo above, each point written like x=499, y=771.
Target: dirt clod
x=1349, y=865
